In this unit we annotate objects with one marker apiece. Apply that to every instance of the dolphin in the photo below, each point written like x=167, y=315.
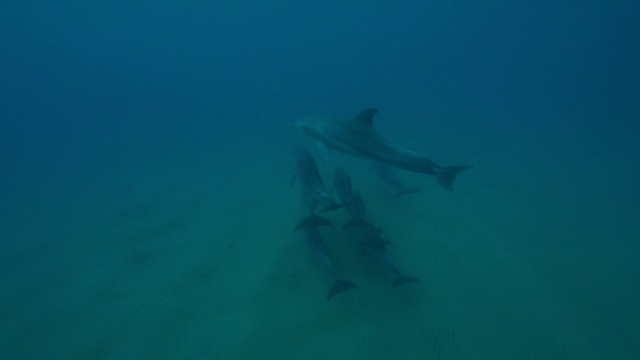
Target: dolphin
x=310, y=226
x=313, y=190
x=342, y=186
x=369, y=233
x=385, y=172
x=357, y=137
x=371, y=238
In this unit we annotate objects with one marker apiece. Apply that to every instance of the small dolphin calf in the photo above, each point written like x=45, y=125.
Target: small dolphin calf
x=385, y=172
x=310, y=226
x=358, y=137
x=313, y=190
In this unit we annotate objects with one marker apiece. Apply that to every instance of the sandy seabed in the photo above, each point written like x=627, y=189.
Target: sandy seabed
x=198, y=260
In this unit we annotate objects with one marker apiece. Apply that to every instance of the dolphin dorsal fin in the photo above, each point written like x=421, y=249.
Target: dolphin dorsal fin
x=366, y=116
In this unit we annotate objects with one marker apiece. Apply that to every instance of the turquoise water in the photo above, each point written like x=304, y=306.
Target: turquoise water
x=146, y=159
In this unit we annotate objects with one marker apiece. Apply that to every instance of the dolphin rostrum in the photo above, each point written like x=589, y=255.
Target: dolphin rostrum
x=358, y=137
x=310, y=226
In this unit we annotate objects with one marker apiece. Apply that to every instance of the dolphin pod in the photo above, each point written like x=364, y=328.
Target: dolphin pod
x=315, y=194
x=357, y=137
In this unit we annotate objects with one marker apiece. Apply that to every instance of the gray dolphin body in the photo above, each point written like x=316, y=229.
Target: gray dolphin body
x=369, y=233
x=310, y=226
x=313, y=190
x=358, y=137
x=372, y=239
x=385, y=172
x=342, y=185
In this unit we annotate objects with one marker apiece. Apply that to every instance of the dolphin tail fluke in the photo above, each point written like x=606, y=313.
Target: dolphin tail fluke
x=313, y=221
x=340, y=286
x=446, y=175
x=404, y=192
x=403, y=280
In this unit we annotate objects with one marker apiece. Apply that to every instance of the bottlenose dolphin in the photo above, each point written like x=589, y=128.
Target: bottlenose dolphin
x=358, y=137
x=313, y=190
x=385, y=172
x=369, y=233
x=372, y=239
x=342, y=186
x=310, y=226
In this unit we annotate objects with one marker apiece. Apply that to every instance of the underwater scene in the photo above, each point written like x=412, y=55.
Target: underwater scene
x=440, y=180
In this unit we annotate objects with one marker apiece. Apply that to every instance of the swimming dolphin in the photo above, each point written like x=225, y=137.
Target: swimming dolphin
x=310, y=226
x=358, y=137
x=385, y=173
x=371, y=238
x=369, y=233
x=342, y=186
x=353, y=200
x=313, y=190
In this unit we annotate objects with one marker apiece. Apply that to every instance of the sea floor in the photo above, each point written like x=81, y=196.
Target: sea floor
x=182, y=258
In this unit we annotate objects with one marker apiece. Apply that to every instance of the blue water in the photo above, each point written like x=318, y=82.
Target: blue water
x=146, y=156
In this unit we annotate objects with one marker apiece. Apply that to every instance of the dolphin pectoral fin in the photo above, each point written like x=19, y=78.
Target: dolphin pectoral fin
x=313, y=221
x=340, y=286
x=446, y=175
x=403, y=280
x=366, y=116
x=323, y=152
